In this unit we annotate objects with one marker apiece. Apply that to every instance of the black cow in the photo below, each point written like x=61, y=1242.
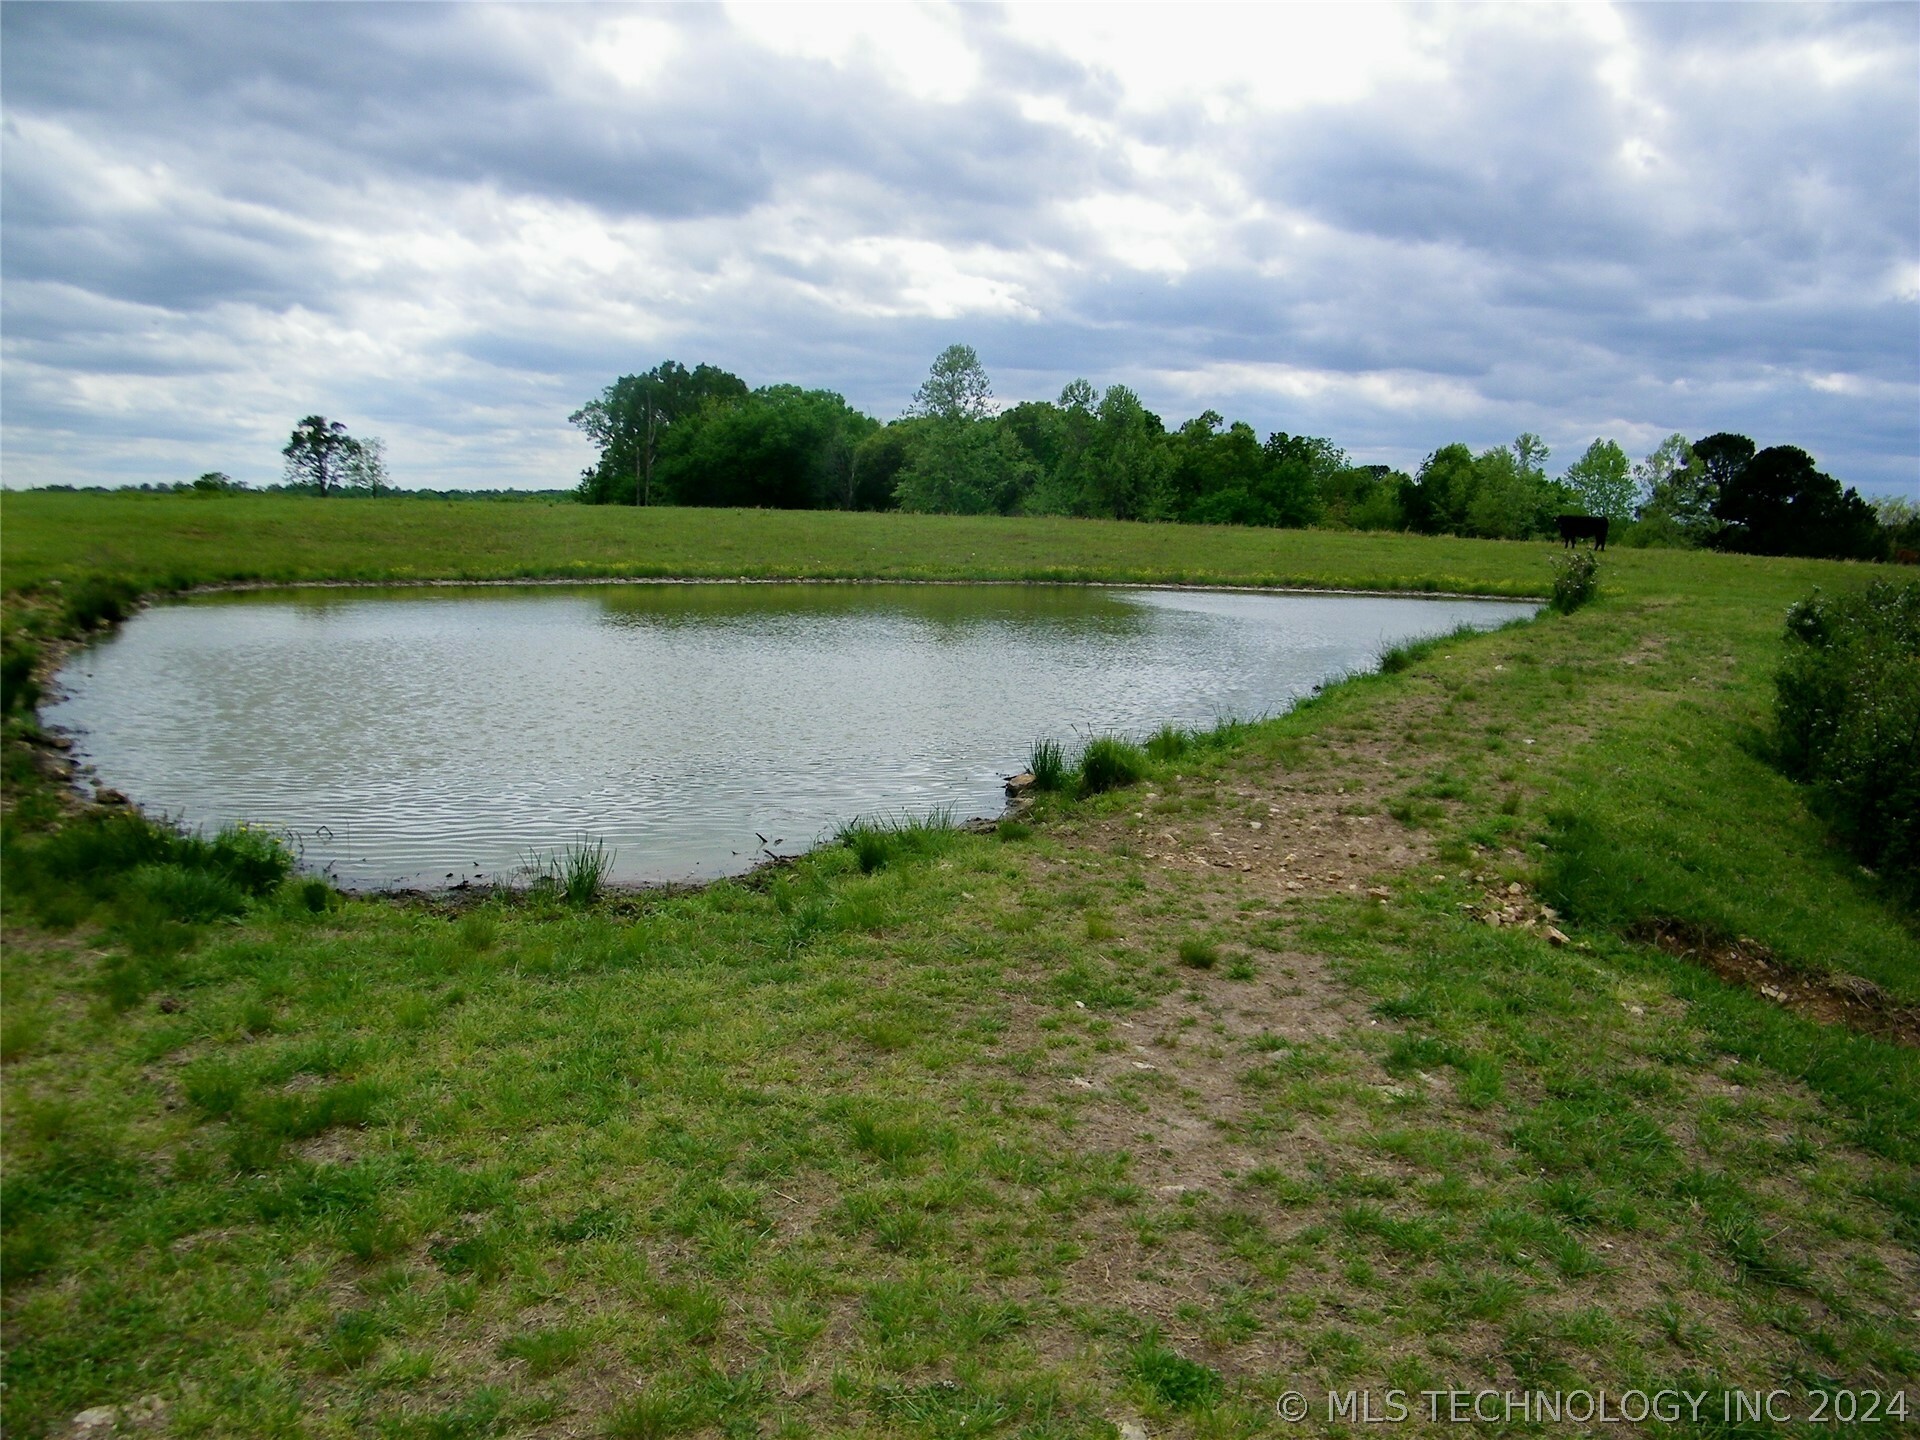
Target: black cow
x=1584, y=527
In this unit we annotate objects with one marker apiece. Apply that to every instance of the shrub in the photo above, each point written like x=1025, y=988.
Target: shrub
x=1847, y=710
x=1048, y=765
x=1576, y=580
x=1108, y=763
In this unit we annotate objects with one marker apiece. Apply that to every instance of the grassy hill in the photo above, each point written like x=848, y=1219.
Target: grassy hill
x=1384, y=1045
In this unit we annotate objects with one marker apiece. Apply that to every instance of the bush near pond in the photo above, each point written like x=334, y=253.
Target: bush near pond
x=1576, y=581
x=1848, y=710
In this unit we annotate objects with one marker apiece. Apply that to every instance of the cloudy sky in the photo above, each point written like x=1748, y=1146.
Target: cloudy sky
x=451, y=225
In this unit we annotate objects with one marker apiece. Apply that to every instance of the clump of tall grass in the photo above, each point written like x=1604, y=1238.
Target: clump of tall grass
x=1169, y=742
x=122, y=857
x=1847, y=711
x=1174, y=1380
x=577, y=874
x=1109, y=763
x=1047, y=763
x=1199, y=953
x=878, y=840
x=1576, y=580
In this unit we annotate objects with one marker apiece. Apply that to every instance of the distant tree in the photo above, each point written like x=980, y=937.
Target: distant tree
x=1124, y=466
x=1435, y=502
x=366, y=466
x=960, y=461
x=1300, y=469
x=877, y=462
x=318, y=454
x=1512, y=498
x=1603, y=480
x=1363, y=497
x=1530, y=455
x=1504, y=504
x=1722, y=456
x=216, y=482
x=780, y=447
x=1676, y=505
x=631, y=421
x=1899, y=519
x=1780, y=503
x=956, y=388
x=960, y=467
x=1055, y=440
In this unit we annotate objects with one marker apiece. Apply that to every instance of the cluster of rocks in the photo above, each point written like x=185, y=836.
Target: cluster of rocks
x=1514, y=907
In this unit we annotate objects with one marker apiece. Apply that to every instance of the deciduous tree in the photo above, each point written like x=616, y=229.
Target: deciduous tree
x=956, y=388
x=631, y=420
x=318, y=453
x=1603, y=480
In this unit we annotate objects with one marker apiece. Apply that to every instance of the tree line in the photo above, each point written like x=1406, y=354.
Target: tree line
x=674, y=436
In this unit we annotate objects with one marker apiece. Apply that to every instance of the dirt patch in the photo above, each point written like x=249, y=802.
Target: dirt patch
x=1831, y=999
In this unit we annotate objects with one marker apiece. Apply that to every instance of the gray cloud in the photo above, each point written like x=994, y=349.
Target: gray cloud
x=452, y=225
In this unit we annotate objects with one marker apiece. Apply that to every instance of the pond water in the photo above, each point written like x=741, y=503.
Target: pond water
x=425, y=737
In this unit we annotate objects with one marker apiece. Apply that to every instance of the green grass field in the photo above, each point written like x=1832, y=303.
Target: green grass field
x=1264, y=1073
x=175, y=541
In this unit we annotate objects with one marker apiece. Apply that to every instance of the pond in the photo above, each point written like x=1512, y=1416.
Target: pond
x=426, y=737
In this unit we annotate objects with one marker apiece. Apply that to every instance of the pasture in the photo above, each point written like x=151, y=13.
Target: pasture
x=1383, y=1045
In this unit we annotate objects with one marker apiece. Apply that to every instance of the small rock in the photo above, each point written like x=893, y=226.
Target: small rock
x=1132, y=1430
x=1514, y=888
x=1021, y=783
x=1380, y=892
x=100, y=1420
x=1554, y=937
x=104, y=796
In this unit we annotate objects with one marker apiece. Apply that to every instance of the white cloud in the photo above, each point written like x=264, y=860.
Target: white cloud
x=919, y=49
x=1395, y=226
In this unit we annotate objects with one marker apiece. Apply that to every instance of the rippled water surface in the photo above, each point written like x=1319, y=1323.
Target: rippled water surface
x=424, y=737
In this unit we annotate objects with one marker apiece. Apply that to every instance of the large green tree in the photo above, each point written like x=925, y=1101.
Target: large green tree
x=1677, y=501
x=780, y=447
x=318, y=454
x=956, y=387
x=1602, y=479
x=631, y=420
x=959, y=460
x=1781, y=503
x=965, y=467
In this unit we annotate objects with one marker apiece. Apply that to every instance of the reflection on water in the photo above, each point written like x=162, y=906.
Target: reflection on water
x=418, y=737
